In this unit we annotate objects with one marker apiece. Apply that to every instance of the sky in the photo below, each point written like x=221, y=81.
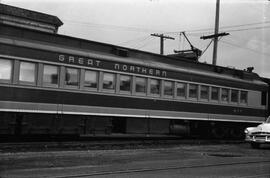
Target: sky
x=129, y=23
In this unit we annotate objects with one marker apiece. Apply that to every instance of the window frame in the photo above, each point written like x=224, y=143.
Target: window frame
x=130, y=84
x=58, y=74
x=78, y=78
x=35, y=74
x=197, y=91
x=146, y=86
x=237, y=97
x=97, y=80
x=208, y=93
x=11, y=71
x=112, y=90
x=246, y=99
x=172, y=89
x=185, y=90
x=211, y=94
x=159, y=89
x=228, y=95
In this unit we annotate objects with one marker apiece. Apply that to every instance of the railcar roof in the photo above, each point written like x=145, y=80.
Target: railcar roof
x=28, y=14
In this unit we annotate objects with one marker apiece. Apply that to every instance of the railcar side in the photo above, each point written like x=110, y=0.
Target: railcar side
x=43, y=97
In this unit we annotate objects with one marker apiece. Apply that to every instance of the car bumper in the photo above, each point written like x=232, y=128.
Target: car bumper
x=258, y=138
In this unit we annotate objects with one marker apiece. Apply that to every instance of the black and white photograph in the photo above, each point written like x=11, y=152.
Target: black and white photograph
x=134, y=88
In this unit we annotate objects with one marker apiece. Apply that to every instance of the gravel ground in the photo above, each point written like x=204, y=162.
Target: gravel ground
x=69, y=158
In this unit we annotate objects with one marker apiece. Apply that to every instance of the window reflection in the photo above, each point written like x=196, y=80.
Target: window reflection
x=214, y=93
x=168, y=88
x=50, y=75
x=243, y=97
x=193, y=91
x=224, y=95
x=5, y=69
x=108, y=81
x=90, y=79
x=181, y=89
x=140, y=85
x=154, y=86
x=27, y=72
x=125, y=83
x=234, y=96
x=204, y=92
x=72, y=77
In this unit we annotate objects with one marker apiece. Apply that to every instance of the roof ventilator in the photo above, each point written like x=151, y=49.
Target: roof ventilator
x=120, y=52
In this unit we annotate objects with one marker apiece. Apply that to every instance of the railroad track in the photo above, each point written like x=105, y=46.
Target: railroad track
x=103, y=144
x=131, y=171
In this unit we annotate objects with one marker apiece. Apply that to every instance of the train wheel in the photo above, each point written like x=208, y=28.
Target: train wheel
x=255, y=145
x=218, y=132
x=236, y=133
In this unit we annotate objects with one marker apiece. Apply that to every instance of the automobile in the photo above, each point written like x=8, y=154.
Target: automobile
x=258, y=135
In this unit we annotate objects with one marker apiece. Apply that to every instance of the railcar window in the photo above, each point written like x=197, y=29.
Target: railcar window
x=243, y=97
x=204, y=92
x=50, y=75
x=193, y=91
x=155, y=86
x=27, y=72
x=108, y=81
x=125, y=83
x=181, y=89
x=224, y=95
x=140, y=85
x=264, y=98
x=5, y=69
x=214, y=93
x=234, y=96
x=168, y=88
x=90, y=79
x=72, y=77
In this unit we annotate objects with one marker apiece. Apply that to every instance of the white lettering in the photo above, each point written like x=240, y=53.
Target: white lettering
x=90, y=62
x=125, y=67
x=116, y=66
x=81, y=60
x=61, y=58
x=158, y=72
x=164, y=74
x=131, y=68
x=71, y=59
x=97, y=63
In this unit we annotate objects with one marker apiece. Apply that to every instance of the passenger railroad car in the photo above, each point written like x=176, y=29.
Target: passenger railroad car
x=53, y=84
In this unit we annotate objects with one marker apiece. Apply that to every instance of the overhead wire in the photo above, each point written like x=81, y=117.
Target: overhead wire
x=147, y=43
x=209, y=30
x=249, y=49
x=112, y=27
x=139, y=43
x=134, y=40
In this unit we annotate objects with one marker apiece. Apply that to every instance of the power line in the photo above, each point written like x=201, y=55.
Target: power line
x=249, y=49
x=205, y=30
x=135, y=40
x=113, y=27
x=253, y=28
x=139, y=43
x=147, y=43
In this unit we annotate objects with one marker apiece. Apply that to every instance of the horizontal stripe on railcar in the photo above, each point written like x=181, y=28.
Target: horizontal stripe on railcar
x=34, y=95
x=27, y=107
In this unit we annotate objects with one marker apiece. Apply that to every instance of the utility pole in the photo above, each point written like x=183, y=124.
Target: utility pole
x=162, y=37
x=214, y=62
x=216, y=34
